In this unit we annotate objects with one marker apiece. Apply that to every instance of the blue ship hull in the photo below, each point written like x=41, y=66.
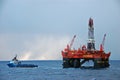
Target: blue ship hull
x=22, y=65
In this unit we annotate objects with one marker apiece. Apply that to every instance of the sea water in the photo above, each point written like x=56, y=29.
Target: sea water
x=52, y=70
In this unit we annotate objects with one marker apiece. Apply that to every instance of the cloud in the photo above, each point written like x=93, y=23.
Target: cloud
x=34, y=47
x=44, y=47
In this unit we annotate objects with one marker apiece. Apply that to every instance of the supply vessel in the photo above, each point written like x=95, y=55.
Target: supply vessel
x=77, y=57
x=16, y=63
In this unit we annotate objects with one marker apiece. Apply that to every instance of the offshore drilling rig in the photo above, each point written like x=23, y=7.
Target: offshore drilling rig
x=76, y=58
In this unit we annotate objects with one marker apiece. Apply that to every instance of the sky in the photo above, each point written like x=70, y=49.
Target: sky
x=41, y=29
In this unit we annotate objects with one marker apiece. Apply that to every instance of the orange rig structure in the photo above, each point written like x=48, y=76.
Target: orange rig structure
x=76, y=58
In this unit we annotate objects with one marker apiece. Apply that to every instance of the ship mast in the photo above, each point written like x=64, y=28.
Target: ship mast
x=91, y=41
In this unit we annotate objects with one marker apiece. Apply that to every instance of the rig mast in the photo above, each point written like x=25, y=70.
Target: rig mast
x=91, y=41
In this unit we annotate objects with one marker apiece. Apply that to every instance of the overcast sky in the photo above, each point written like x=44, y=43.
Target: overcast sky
x=40, y=29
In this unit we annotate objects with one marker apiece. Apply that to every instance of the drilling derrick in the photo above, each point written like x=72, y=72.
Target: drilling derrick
x=91, y=41
x=77, y=57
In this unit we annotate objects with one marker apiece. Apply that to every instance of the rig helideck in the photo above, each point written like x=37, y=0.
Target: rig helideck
x=76, y=58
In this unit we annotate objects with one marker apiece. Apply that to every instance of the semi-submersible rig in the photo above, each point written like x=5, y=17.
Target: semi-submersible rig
x=76, y=58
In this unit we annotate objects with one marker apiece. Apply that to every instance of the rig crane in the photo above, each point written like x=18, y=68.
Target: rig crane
x=102, y=44
x=71, y=43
